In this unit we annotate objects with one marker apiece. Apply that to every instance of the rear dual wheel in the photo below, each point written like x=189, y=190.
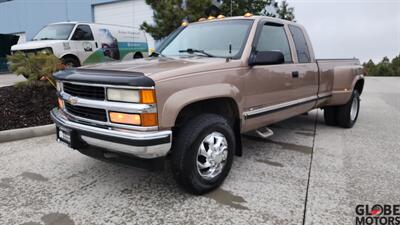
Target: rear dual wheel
x=345, y=115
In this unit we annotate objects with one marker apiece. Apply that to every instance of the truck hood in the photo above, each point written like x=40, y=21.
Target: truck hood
x=35, y=45
x=164, y=68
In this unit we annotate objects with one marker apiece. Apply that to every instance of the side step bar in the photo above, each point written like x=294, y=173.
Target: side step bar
x=264, y=132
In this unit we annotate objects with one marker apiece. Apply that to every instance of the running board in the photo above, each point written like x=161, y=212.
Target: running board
x=264, y=132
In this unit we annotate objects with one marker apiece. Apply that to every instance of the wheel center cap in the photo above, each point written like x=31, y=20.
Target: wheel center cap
x=218, y=158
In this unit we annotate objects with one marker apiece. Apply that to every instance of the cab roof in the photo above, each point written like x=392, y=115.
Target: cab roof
x=256, y=18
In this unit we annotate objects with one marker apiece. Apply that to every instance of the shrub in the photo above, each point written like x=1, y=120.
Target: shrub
x=35, y=66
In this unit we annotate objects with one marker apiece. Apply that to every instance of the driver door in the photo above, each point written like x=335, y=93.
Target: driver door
x=269, y=87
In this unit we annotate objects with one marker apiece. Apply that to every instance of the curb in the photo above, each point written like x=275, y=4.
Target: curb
x=24, y=133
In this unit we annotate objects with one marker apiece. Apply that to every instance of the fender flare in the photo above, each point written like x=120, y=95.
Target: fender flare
x=177, y=101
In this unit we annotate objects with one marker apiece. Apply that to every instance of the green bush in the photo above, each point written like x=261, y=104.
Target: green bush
x=384, y=68
x=35, y=66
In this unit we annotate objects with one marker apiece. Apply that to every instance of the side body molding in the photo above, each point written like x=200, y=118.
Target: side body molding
x=177, y=101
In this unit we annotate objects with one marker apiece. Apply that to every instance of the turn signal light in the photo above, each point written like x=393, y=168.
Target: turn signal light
x=125, y=118
x=149, y=119
x=148, y=96
x=60, y=103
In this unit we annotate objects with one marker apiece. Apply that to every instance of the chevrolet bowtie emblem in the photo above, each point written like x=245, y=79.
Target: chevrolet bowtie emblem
x=72, y=100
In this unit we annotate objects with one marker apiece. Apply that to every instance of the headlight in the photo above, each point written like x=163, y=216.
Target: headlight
x=46, y=51
x=145, y=96
x=123, y=95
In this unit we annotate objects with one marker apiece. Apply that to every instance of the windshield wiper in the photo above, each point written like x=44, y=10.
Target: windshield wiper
x=192, y=51
x=43, y=39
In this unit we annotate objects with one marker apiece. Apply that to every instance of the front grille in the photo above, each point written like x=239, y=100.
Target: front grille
x=88, y=113
x=83, y=91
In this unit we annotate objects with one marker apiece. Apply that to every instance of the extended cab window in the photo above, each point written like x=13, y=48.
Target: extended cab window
x=83, y=33
x=303, y=54
x=273, y=38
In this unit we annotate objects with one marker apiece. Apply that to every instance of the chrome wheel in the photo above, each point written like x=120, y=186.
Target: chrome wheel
x=212, y=155
x=354, y=109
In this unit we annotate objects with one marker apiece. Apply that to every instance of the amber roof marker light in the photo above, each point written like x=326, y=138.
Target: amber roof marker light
x=248, y=14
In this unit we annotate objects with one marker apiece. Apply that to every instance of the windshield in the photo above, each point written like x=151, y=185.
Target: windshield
x=216, y=39
x=54, y=32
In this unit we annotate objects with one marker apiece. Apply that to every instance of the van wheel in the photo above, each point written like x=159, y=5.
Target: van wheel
x=70, y=62
x=137, y=55
x=347, y=114
x=203, y=153
x=330, y=115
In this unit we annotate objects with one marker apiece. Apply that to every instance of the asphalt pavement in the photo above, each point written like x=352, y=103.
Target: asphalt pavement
x=307, y=173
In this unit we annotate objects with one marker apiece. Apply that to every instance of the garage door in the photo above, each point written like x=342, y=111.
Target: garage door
x=127, y=13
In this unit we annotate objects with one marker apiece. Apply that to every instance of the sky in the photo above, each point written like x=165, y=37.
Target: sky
x=365, y=29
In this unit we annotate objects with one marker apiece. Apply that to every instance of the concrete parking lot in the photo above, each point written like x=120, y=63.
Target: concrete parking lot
x=10, y=79
x=307, y=173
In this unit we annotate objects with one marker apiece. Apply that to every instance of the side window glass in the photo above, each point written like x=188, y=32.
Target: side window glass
x=300, y=42
x=83, y=33
x=273, y=38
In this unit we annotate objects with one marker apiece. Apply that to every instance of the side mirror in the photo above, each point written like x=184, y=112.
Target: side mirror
x=266, y=58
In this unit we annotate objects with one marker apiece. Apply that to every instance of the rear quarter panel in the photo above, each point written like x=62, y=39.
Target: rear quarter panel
x=338, y=77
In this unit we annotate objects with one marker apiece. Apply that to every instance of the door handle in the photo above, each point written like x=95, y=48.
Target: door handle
x=295, y=74
x=96, y=44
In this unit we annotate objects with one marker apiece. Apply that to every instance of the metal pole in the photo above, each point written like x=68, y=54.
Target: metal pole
x=66, y=10
x=231, y=7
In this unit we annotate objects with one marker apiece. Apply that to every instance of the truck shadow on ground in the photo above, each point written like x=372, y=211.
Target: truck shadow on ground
x=274, y=167
x=294, y=135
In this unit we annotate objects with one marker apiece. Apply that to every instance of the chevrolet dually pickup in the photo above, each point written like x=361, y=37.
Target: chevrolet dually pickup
x=208, y=83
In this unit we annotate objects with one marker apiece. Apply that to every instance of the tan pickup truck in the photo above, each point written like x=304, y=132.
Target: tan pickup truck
x=210, y=82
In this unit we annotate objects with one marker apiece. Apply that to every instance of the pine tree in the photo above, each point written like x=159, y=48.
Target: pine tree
x=169, y=14
x=35, y=67
x=240, y=7
x=285, y=12
x=258, y=7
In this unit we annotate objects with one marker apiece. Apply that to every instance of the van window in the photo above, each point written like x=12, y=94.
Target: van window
x=83, y=33
x=273, y=38
x=303, y=53
x=54, y=32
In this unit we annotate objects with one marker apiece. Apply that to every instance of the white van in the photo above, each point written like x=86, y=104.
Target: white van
x=79, y=44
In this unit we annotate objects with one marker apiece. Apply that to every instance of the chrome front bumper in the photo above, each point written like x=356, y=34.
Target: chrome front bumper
x=142, y=144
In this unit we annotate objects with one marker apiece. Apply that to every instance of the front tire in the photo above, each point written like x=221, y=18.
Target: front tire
x=203, y=153
x=70, y=62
